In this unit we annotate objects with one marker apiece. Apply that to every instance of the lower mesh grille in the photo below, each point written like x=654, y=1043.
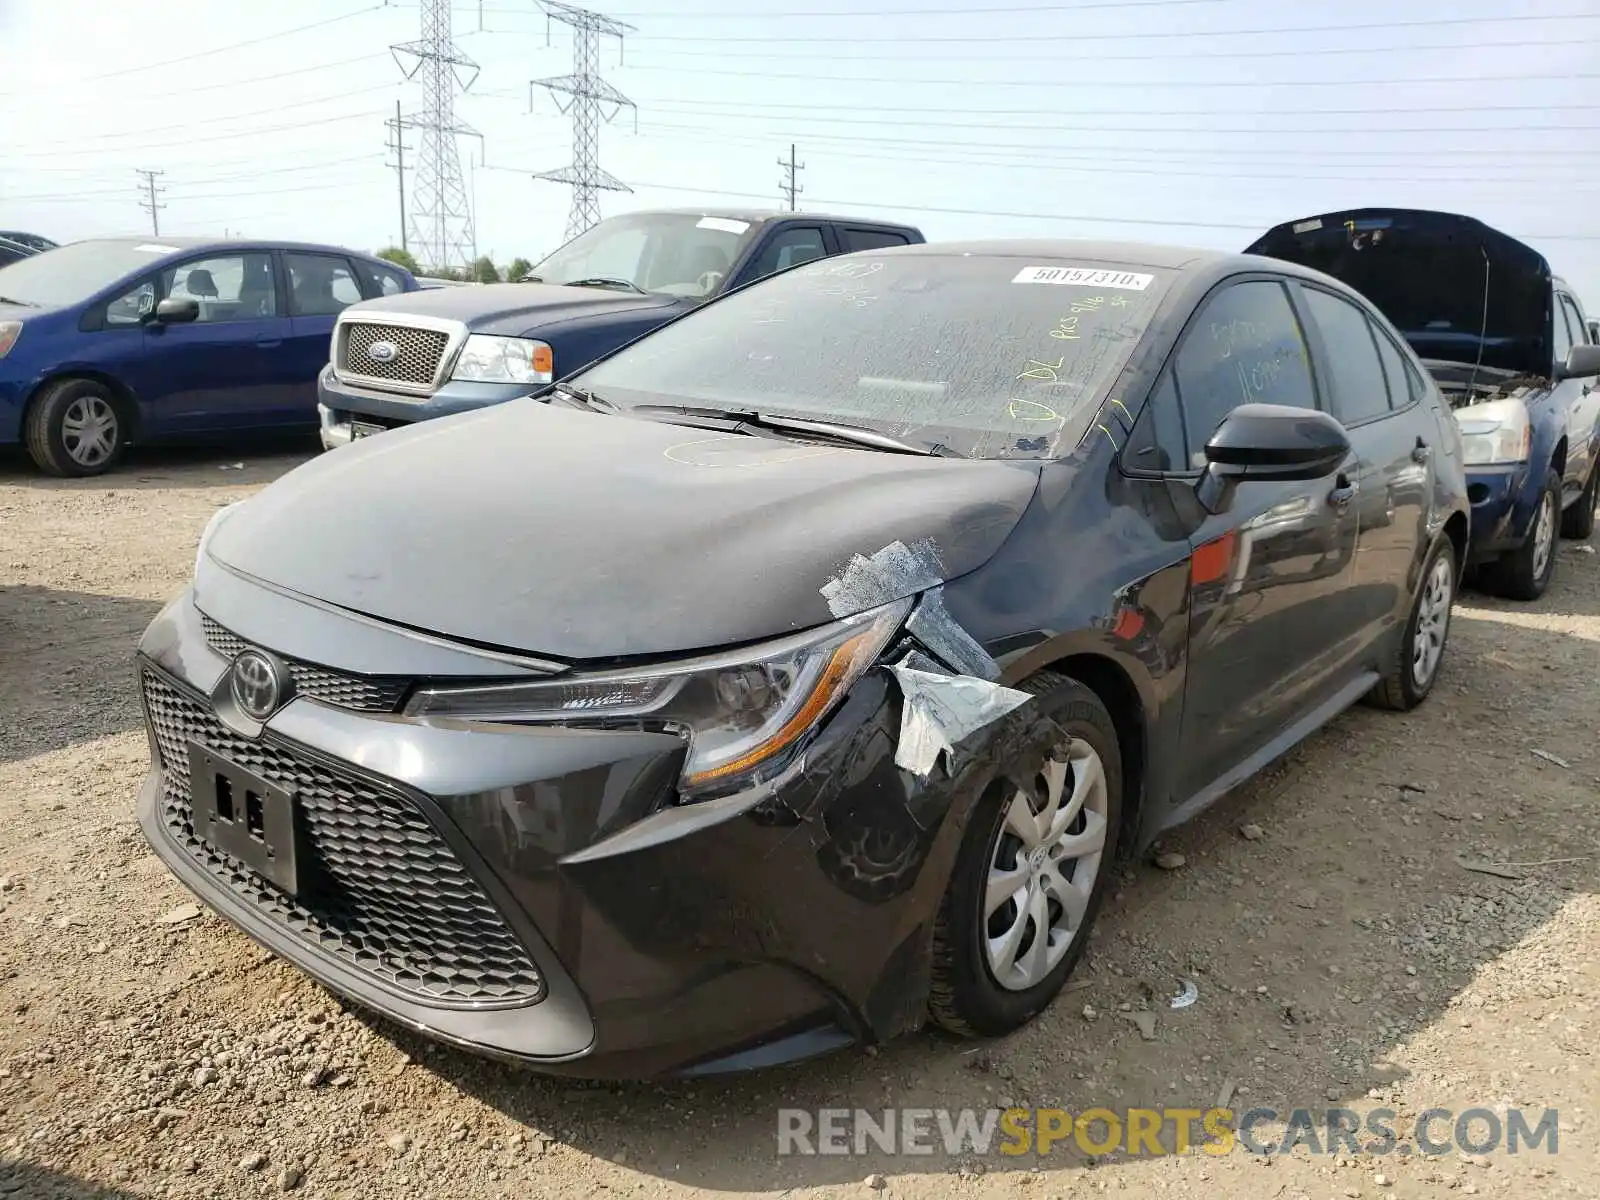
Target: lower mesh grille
x=388, y=896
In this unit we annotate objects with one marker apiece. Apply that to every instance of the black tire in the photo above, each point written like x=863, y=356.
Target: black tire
x=1516, y=576
x=50, y=442
x=1399, y=689
x=965, y=999
x=1577, y=522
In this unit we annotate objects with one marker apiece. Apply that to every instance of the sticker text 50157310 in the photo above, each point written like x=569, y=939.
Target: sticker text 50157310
x=1131, y=281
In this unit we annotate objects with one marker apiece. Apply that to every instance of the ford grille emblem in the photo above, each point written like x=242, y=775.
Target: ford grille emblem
x=257, y=685
x=383, y=352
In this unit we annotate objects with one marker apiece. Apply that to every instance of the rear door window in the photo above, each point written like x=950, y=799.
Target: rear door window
x=1359, y=384
x=870, y=239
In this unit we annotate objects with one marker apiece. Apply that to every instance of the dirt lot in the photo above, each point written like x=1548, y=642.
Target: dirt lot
x=1343, y=954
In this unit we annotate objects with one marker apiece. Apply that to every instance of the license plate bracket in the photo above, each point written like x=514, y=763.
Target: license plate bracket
x=243, y=815
x=361, y=429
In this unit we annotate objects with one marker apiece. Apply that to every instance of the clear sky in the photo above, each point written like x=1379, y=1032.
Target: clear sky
x=1194, y=121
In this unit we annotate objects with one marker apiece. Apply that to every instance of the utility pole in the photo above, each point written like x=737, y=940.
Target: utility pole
x=591, y=101
x=790, y=186
x=396, y=129
x=441, y=222
x=149, y=203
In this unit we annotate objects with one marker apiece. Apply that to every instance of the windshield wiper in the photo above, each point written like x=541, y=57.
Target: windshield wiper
x=18, y=303
x=606, y=281
x=837, y=431
x=586, y=398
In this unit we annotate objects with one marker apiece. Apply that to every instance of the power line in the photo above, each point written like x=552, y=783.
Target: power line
x=231, y=85
x=963, y=10
x=588, y=96
x=1145, y=84
x=249, y=177
x=1137, y=112
x=1146, y=35
x=232, y=136
x=171, y=62
x=1185, y=54
x=1051, y=216
x=790, y=185
x=150, y=203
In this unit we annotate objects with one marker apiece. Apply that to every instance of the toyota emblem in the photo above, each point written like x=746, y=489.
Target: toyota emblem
x=257, y=685
x=383, y=352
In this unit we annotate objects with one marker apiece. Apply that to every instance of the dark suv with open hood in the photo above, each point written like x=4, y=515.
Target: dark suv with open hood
x=1509, y=345
x=403, y=359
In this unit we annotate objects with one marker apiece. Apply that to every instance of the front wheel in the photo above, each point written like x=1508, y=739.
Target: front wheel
x=1525, y=573
x=1410, y=673
x=1035, y=861
x=74, y=428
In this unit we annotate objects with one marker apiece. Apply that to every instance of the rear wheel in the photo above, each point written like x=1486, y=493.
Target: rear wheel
x=1410, y=674
x=74, y=428
x=1578, y=521
x=1035, y=861
x=1525, y=573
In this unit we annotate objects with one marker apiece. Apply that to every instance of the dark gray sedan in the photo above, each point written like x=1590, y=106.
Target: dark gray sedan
x=795, y=674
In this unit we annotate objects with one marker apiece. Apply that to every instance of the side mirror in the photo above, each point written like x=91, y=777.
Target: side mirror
x=176, y=310
x=1269, y=442
x=1583, y=362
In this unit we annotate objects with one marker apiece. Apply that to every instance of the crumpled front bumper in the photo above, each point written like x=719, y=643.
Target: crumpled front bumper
x=670, y=938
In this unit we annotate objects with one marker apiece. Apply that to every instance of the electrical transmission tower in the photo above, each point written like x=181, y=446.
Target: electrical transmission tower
x=441, y=220
x=151, y=190
x=590, y=100
x=790, y=186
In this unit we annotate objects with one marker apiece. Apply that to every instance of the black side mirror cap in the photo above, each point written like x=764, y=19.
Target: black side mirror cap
x=1583, y=362
x=1270, y=442
x=175, y=310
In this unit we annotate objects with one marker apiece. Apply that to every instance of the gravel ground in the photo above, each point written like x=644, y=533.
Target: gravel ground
x=1342, y=952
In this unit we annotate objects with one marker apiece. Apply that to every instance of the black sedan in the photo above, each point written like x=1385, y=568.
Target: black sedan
x=797, y=673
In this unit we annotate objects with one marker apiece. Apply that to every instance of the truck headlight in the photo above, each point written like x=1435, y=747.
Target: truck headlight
x=1495, y=432
x=487, y=359
x=10, y=331
x=741, y=711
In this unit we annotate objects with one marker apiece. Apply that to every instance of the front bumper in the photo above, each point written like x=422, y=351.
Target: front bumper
x=1500, y=518
x=340, y=403
x=662, y=938
x=12, y=396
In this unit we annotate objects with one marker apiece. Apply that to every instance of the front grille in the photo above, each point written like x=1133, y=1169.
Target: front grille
x=384, y=893
x=416, y=363
x=364, y=693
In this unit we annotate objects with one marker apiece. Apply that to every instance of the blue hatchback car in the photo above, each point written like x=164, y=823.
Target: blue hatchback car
x=112, y=341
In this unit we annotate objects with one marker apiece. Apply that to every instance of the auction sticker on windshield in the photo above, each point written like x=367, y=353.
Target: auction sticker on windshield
x=1130, y=281
x=725, y=224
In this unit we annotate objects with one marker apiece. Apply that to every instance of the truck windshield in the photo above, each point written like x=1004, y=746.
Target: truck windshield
x=988, y=356
x=679, y=254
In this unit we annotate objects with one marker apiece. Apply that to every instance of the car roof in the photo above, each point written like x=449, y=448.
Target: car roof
x=757, y=216
x=188, y=243
x=1130, y=254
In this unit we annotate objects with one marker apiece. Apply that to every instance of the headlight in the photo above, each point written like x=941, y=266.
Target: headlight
x=486, y=359
x=211, y=528
x=741, y=711
x=10, y=331
x=1496, y=432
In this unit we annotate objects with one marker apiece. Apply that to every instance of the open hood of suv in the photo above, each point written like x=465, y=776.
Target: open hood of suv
x=1450, y=283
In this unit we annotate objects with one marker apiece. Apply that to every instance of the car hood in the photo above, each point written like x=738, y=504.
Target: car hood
x=1449, y=283
x=511, y=308
x=585, y=536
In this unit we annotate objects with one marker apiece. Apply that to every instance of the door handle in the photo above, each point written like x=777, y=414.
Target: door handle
x=269, y=343
x=1342, y=494
x=1422, y=452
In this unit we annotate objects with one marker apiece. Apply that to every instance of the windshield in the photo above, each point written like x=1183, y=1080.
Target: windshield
x=71, y=274
x=988, y=356
x=679, y=254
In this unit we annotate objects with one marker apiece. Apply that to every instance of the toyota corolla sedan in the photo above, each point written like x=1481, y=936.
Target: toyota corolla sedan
x=794, y=676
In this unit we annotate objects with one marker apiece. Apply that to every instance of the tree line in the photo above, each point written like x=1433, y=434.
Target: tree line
x=481, y=271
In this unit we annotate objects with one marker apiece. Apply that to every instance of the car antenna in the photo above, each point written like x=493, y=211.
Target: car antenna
x=1483, y=325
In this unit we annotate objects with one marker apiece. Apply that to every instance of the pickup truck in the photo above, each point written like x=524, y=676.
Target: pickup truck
x=1511, y=350
x=402, y=359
